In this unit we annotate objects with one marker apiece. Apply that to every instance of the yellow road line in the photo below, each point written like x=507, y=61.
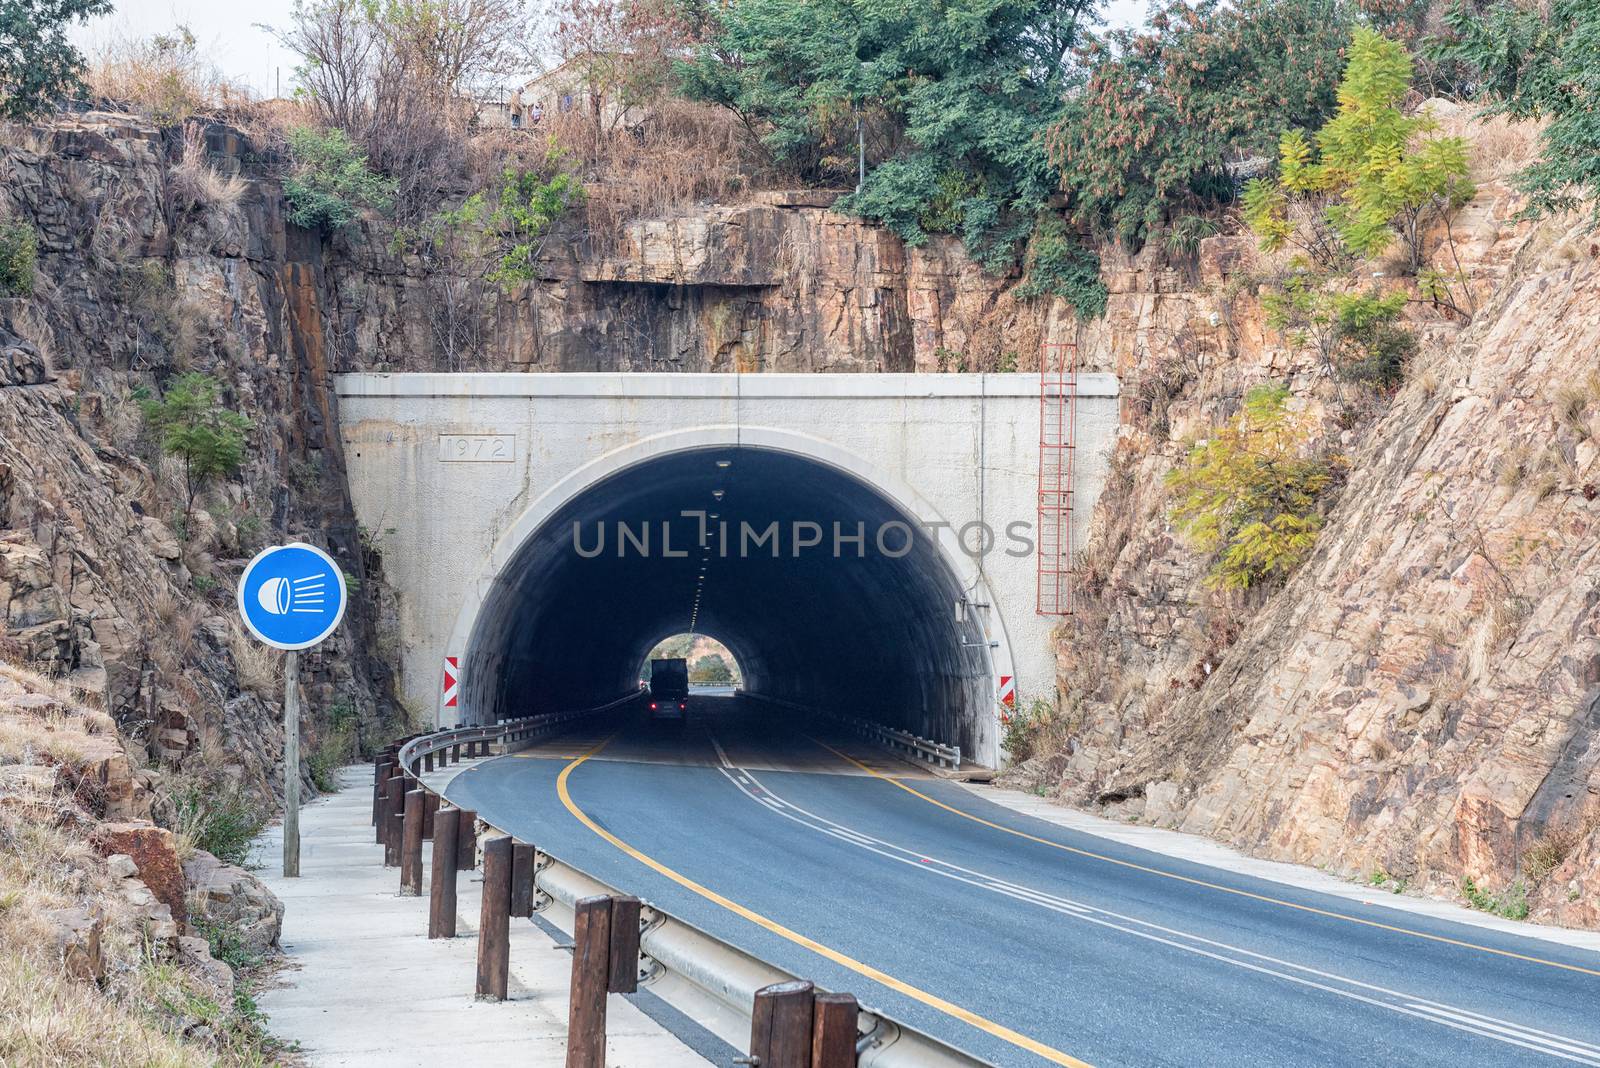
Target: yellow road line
x=966, y=1016
x=1201, y=882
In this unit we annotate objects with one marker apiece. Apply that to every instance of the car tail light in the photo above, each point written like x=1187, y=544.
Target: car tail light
x=652, y=706
x=682, y=706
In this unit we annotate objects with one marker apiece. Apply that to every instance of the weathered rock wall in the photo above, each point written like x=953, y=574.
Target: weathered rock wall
x=106, y=577
x=777, y=284
x=1422, y=699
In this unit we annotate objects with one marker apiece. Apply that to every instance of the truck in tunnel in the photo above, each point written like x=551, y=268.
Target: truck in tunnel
x=669, y=689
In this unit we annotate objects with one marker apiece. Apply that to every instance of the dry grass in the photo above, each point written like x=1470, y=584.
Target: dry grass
x=164, y=77
x=680, y=155
x=61, y=690
x=196, y=185
x=256, y=664
x=54, y=1022
x=1496, y=146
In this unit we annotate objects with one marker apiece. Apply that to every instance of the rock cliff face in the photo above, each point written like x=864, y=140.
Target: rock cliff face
x=1422, y=699
x=778, y=284
x=106, y=578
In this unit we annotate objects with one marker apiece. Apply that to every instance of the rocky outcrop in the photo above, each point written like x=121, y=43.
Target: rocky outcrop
x=1423, y=697
x=106, y=902
x=228, y=896
x=780, y=283
x=152, y=852
x=109, y=579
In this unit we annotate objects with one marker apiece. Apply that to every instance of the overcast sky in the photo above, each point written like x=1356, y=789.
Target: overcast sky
x=228, y=35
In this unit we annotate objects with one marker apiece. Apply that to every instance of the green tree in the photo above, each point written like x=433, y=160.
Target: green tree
x=331, y=181
x=1252, y=492
x=958, y=92
x=1379, y=180
x=191, y=423
x=1539, y=61
x=38, y=64
x=1165, y=112
x=710, y=670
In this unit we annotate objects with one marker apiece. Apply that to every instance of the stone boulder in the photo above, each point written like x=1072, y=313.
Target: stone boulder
x=230, y=896
x=77, y=933
x=154, y=853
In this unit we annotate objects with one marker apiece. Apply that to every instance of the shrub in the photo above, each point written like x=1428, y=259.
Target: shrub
x=1379, y=182
x=1512, y=902
x=711, y=670
x=1355, y=335
x=513, y=227
x=192, y=425
x=223, y=822
x=1538, y=62
x=1059, y=264
x=1252, y=492
x=19, y=253
x=331, y=181
x=1163, y=113
x=166, y=76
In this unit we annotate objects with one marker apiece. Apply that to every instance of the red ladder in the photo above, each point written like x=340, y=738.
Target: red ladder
x=1058, y=415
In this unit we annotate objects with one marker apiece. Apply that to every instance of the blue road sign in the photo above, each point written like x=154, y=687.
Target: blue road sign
x=292, y=596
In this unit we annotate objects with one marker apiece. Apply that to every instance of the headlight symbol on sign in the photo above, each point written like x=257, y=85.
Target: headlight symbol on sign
x=292, y=596
x=279, y=595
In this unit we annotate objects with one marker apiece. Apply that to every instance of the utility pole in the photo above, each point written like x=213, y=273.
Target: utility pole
x=291, y=765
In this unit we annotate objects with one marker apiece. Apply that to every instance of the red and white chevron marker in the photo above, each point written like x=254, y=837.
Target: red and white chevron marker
x=452, y=681
x=1008, y=691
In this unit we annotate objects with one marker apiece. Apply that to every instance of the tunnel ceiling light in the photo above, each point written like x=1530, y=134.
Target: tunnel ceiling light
x=713, y=515
x=724, y=464
x=717, y=494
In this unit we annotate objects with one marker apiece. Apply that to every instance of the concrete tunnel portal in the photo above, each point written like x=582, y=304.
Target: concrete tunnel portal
x=827, y=592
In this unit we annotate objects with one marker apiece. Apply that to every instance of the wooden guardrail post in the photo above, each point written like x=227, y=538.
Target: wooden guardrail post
x=521, y=880
x=430, y=812
x=591, y=971
x=833, y=1031
x=442, y=890
x=411, y=843
x=381, y=807
x=427, y=761
x=623, y=970
x=781, y=1025
x=393, y=819
x=380, y=773
x=455, y=753
x=467, y=840
x=494, y=927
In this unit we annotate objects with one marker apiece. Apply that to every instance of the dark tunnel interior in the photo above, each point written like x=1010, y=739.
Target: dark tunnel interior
x=870, y=627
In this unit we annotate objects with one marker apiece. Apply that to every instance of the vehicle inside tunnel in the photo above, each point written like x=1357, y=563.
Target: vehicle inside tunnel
x=826, y=593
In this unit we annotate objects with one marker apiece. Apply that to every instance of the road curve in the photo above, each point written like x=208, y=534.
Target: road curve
x=1021, y=941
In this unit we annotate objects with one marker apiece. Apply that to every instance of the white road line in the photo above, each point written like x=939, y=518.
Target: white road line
x=1451, y=1016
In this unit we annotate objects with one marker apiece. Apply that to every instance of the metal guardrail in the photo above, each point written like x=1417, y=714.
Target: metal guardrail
x=913, y=745
x=666, y=946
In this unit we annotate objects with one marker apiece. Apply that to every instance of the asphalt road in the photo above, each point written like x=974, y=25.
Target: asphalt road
x=1017, y=940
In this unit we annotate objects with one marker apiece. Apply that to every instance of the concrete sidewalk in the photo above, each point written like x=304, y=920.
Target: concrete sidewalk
x=365, y=986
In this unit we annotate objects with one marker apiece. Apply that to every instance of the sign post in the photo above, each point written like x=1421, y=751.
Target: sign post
x=291, y=597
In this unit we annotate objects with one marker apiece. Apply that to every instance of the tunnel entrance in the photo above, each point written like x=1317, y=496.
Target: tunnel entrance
x=826, y=592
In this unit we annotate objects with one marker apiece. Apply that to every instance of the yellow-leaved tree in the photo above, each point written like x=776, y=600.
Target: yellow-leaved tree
x=1252, y=491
